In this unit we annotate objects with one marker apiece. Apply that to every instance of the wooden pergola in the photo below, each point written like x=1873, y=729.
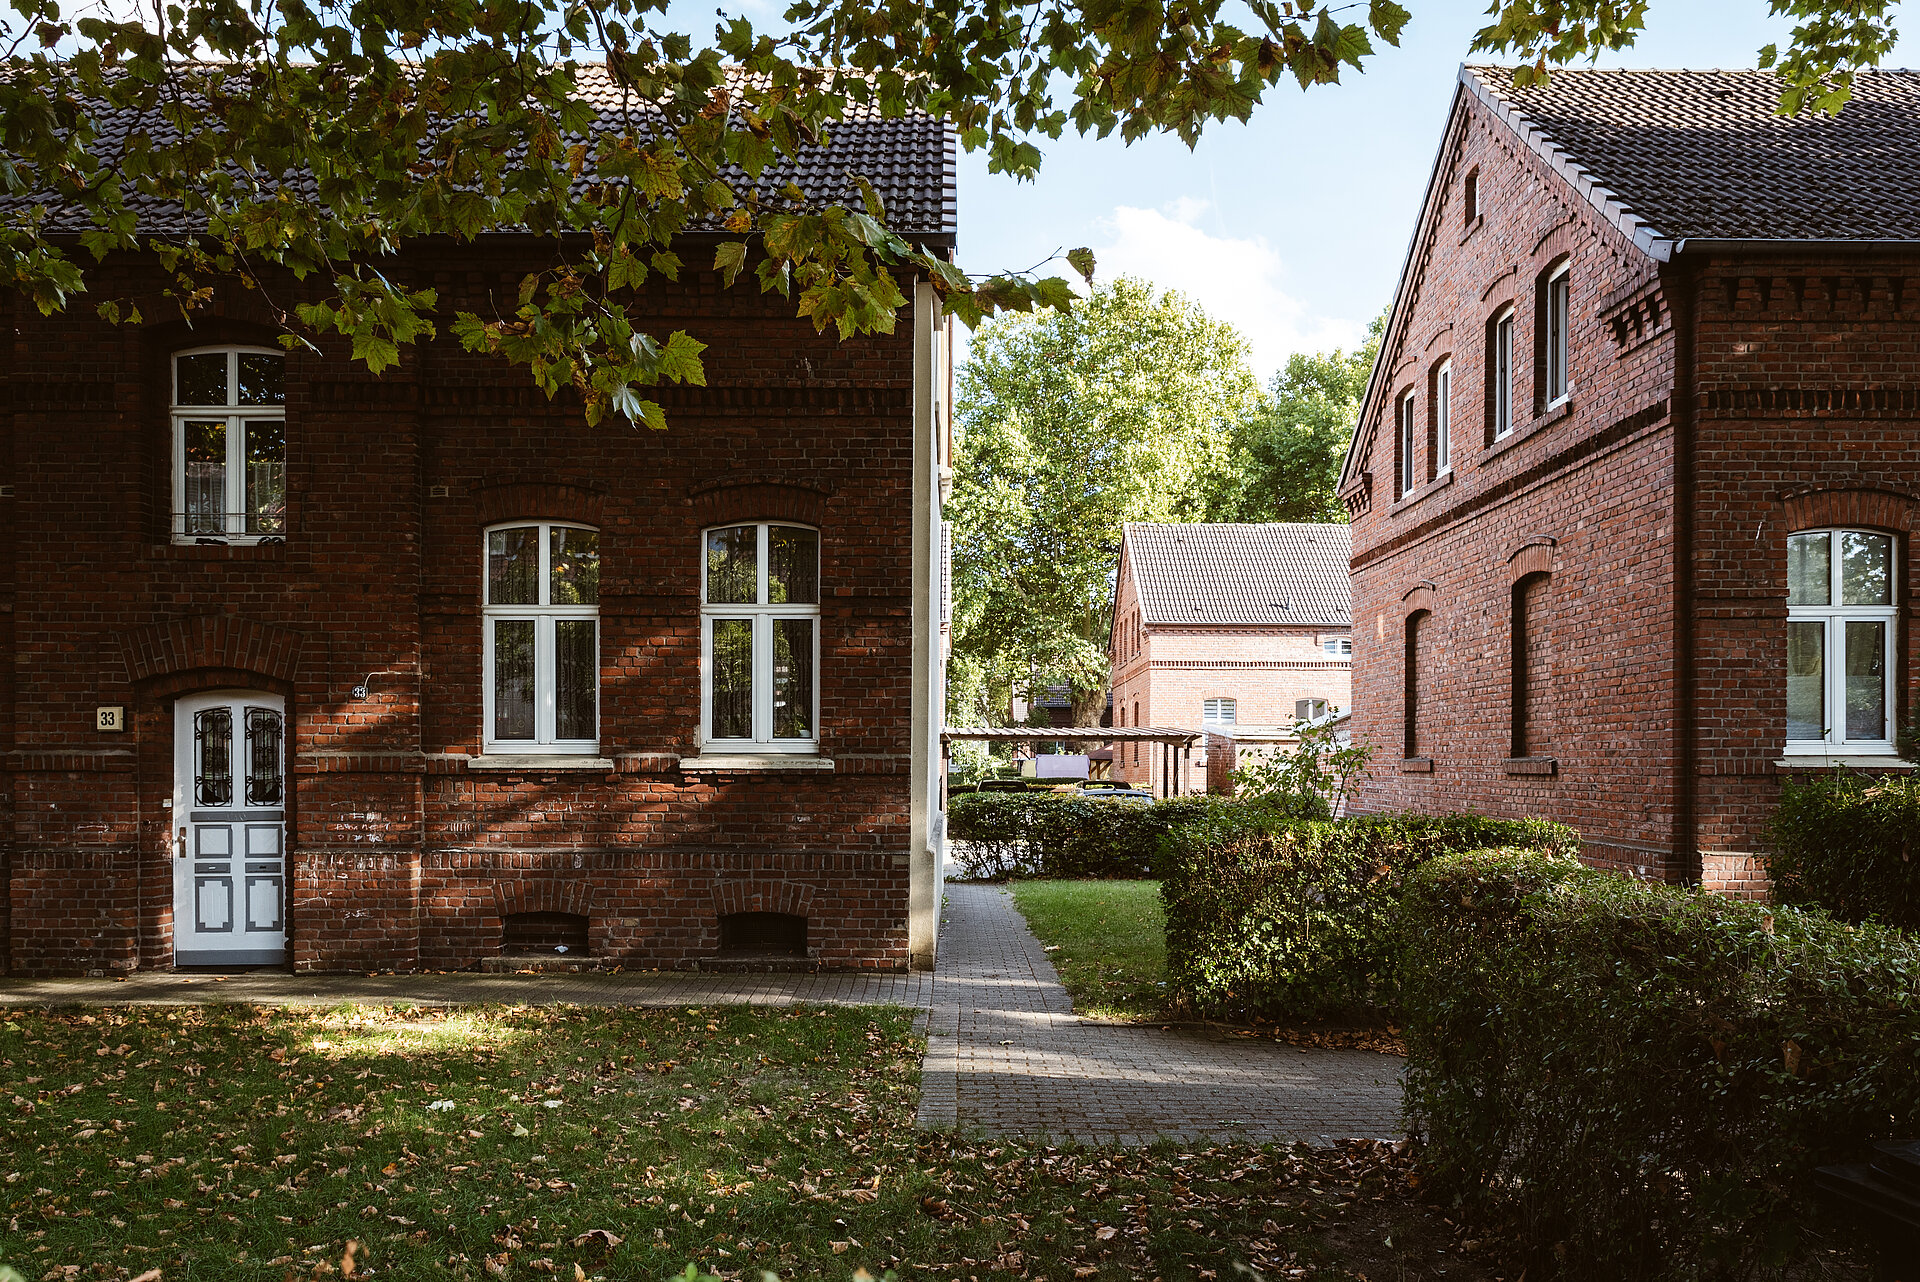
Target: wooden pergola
x=1176, y=746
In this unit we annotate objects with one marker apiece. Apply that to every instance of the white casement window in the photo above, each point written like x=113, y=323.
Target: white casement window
x=229, y=445
x=760, y=639
x=1309, y=709
x=1404, y=410
x=1338, y=647
x=1500, y=370
x=1443, y=419
x=1559, y=302
x=541, y=599
x=1841, y=632
x=1219, y=712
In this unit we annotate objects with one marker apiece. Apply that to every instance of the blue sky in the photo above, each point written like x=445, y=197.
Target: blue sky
x=1292, y=227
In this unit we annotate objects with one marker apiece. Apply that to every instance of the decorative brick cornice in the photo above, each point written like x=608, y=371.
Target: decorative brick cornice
x=1813, y=402
x=212, y=641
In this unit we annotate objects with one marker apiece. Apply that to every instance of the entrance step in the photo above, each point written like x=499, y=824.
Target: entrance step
x=758, y=964
x=546, y=963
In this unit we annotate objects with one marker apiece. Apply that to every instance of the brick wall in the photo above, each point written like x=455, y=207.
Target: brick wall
x=1717, y=405
x=401, y=855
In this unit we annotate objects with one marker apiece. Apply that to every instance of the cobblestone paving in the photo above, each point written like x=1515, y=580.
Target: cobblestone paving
x=1005, y=1053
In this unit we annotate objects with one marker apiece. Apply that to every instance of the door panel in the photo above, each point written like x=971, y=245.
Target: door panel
x=230, y=866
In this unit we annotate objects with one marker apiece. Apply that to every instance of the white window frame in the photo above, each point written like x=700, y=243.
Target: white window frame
x=1315, y=709
x=1338, y=647
x=1501, y=363
x=762, y=615
x=1559, y=304
x=1210, y=710
x=238, y=418
x=1443, y=418
x=1403, y=413
x=545, y=741
x=1836, y=618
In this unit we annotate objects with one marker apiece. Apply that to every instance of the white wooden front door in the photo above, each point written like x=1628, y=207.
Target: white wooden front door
x=230, y=812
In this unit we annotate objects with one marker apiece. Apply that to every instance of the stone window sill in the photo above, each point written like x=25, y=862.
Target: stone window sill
x=1863, y=761
x=1416, y=765
x=1545, y=420
x=1434, y=486
x=537, y=761
x=755, y=761
x=254, y=550
x=1547, y=766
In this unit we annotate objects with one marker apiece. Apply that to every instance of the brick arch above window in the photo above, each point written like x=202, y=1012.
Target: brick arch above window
x=1416, y=598
x=179, y=655
x=539, y=501
x=1532, y=556
x=539, y=895
x=1872, y=507
x=760, y=499
x=793, y=898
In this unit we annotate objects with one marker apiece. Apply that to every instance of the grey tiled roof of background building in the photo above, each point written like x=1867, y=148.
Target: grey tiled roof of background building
x=1701, y=154
x=911, y=161
x=1252, y=574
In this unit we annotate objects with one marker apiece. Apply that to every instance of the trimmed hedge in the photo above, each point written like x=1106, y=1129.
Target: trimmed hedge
x=1638, y=1079
x=1054, y=834
x=1290, y=919
x=1850, y=843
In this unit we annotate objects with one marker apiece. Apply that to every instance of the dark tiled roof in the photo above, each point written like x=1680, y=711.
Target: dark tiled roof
x=911, y=162
x=1259, y=574
x=1702, y=154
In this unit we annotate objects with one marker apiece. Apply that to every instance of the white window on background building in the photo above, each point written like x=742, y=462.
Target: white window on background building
x=1338, y=647
x=1309, y=709
x=542, y=662
x=1841, y=633
x=1219, y=712
x=1500, y=374
x=229, y=444
x=760, y=639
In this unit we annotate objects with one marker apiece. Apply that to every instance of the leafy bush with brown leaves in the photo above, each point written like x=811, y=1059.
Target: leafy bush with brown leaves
x=1849, y=842
x=1637, y=1081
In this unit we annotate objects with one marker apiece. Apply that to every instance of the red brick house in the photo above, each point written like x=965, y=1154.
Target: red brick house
x=309, y=667
x=1222, y=625
x=1636, y=473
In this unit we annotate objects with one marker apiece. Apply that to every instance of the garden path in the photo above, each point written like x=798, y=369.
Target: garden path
x=1005, y=1052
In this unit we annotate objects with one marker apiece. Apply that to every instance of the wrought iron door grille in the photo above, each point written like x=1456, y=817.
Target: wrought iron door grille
x=264, y=786
x=213, y=757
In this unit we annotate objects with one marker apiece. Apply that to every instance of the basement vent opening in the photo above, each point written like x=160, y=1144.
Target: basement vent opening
x=780, y=933
x=561, y=934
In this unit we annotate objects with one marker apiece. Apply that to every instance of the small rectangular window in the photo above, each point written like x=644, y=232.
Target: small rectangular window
x=1220, y=712
x=1500, y=370
x=1559, y=320
x=1442, y=421
x=1470, y=197
x=1404, y=412
x=1339, y=647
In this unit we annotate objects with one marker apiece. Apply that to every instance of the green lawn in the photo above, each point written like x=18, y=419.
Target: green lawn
x=1107, y=939
x=218, y=1143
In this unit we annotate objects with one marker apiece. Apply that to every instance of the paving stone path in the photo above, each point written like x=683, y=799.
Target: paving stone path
x=1005, y=1052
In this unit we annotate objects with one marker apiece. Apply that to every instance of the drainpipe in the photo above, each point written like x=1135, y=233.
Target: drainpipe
x=1680, y=281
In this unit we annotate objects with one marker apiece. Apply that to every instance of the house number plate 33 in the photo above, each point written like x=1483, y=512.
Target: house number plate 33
x=113, y=719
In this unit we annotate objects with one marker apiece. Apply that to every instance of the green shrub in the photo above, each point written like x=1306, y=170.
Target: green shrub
x=1288, y=919
x=1055, y=834
x=1639, y=1080
x=1850, y=843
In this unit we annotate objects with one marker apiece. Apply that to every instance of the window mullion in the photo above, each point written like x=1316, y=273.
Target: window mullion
x=234, y=518
x=762, y=674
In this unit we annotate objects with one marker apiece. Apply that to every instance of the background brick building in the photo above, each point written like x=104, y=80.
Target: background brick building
x=1237, y=624
x=1638, y=466
x=448, y=773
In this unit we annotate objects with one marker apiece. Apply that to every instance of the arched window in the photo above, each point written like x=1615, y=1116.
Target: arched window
x=1841, y=634
x=542, y=620
x=229, y=444
x=760, y=638
x=1531, y=669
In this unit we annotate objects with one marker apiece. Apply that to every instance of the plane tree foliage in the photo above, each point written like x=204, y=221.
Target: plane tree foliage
x=1070, y=425
x=406, y=119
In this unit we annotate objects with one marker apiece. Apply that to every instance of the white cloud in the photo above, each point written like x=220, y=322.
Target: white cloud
x=1237, y=281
